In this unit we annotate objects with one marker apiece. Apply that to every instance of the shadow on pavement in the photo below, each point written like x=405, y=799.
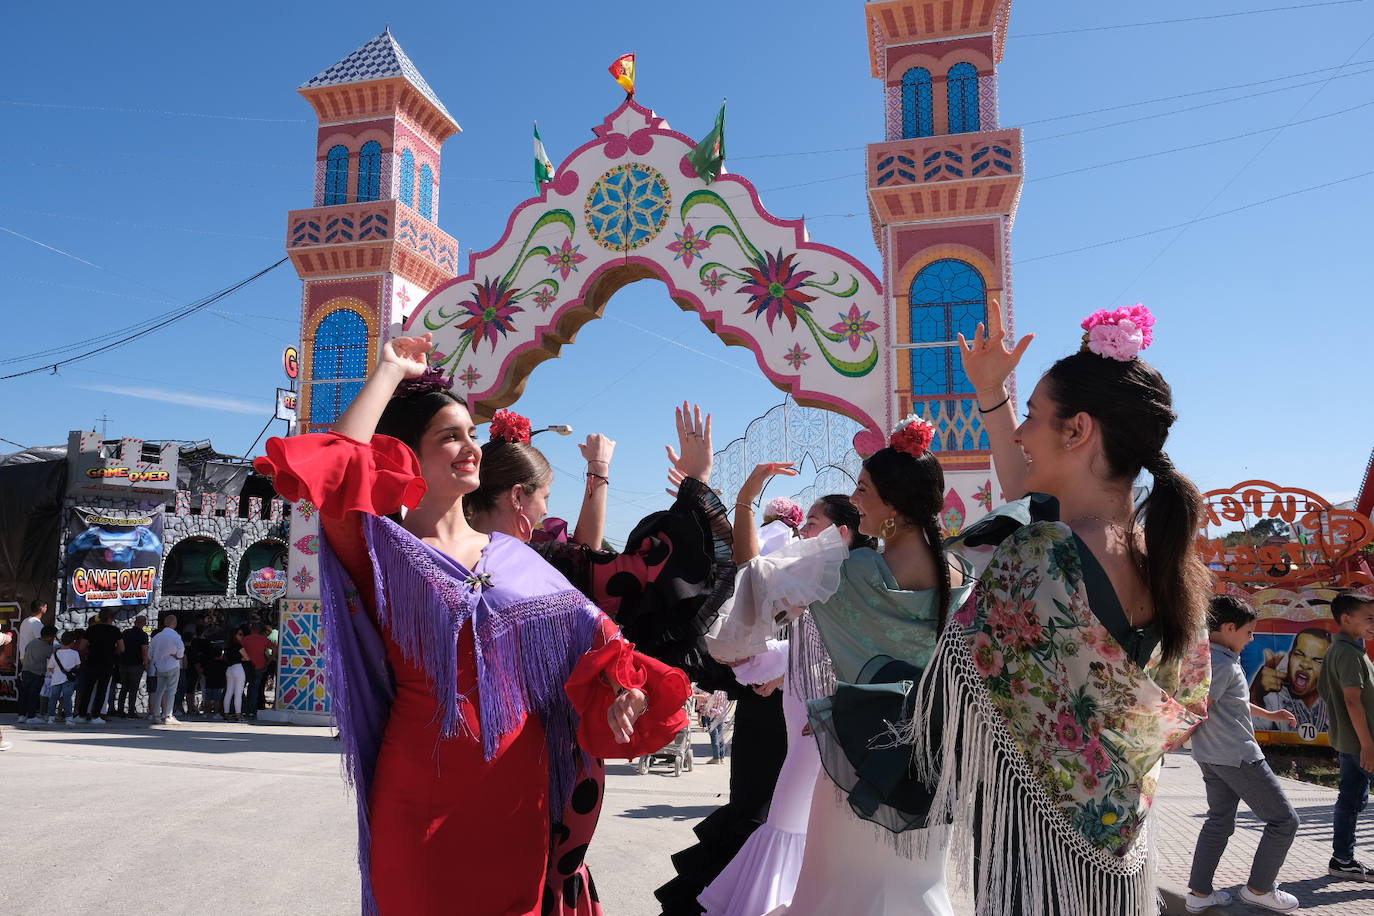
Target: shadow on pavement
x=199, y=740
x=670, y=812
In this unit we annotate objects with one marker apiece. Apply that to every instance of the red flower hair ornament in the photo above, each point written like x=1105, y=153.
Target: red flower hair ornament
x=509, y=426
x=913, y=436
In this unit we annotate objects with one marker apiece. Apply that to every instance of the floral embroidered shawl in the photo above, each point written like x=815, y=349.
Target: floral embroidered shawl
x=1054, y=731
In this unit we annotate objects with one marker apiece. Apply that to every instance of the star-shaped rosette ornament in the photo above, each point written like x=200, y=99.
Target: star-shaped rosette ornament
x=490, y=312
x=565, y=258
x=855, y=326
x=796, y=357
x=774, y=289
x=689, y=245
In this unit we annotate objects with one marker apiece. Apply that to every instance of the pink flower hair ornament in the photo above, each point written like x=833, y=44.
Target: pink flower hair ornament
x=509, y=426
x=913, y=436
x=786, y=511
x=1121, y=334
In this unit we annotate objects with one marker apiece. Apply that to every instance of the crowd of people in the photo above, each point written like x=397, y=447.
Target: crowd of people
x=900, y=699
x=92, y=674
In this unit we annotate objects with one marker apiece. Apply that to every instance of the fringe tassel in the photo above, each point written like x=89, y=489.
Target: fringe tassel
x=1024, y=850
x=810, y=673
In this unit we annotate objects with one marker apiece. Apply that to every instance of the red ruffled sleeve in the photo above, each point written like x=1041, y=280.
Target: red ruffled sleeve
x=590, y=687
x=341, y=475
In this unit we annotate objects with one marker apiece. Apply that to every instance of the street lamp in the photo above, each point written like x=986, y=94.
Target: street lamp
x=562, y=430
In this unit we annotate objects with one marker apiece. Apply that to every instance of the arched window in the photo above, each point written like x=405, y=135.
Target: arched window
x=948, y=298
x=195, y=566
x=370, y=172
x=261, y=554
x=340, y=352
x=918, y=113
x=408, y=178
x=963, y=99
x=336, y=176
x=426, y=207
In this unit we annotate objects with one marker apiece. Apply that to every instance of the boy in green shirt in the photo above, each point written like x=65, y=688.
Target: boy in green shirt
x=1347, y=686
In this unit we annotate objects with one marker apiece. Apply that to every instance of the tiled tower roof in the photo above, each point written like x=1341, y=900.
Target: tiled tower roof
x=379, y=59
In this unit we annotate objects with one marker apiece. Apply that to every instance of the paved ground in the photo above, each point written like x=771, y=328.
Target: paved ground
x=210, y=817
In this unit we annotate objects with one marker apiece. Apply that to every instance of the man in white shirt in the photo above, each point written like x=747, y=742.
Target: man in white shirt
x=165, y=653
x=32, y=625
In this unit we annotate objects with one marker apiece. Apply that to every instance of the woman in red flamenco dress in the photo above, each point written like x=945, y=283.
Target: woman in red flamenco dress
x=471, y=682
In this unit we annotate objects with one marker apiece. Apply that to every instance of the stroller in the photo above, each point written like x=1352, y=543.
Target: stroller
x=678, y=754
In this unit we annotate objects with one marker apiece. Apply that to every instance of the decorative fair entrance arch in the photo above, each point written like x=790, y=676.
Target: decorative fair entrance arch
x=628, y=206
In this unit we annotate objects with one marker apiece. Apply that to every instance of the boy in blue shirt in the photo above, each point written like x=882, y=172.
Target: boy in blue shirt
x=1234, y=770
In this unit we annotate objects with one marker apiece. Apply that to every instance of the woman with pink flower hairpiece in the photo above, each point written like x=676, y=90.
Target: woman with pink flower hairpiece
x=1083, y=657
x=864, y=625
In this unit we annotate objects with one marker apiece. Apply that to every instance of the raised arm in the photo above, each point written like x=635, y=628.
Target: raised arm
x=401, y=358
x=988, y=363
x=746, y=529
x=591, y=522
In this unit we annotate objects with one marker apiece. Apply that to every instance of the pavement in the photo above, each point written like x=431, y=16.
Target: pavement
x=209, y=816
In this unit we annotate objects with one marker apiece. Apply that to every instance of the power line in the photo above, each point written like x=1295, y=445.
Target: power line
x=1200, y=219
x=1191, y=146
x=189, y=310
x=154, y=111
x=1152, y=22
x=1224, y=188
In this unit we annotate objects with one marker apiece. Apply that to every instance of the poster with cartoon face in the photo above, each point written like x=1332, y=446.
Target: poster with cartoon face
x=1284, y=662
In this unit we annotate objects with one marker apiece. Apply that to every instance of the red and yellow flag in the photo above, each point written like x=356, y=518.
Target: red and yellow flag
x=623, y=70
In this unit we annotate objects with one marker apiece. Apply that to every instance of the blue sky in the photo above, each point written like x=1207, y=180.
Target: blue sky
x=162, y=146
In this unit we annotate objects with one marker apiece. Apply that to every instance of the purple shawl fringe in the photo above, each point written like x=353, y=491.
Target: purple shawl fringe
x=525, y=651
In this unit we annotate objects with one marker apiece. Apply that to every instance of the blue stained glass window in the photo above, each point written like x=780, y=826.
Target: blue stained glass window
x=918, y=112
x=963, y=99
x=340, y=352
x=948, y=298
x=408, y=178
x=426, y=207
x=370, y=172
x=336, y=176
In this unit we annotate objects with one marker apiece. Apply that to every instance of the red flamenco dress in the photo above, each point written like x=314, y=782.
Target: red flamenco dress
x=472, y=704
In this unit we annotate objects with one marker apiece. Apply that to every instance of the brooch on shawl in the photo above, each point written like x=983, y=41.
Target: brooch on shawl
x=477, y=581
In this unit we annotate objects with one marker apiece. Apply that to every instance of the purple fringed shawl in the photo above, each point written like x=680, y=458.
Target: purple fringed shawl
x=530, y=627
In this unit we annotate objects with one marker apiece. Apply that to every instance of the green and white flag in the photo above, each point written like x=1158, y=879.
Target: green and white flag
x=708, y=158
x=543, y=168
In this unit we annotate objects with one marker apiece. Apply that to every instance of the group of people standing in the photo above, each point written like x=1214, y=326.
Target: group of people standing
x=92, y=674
x=1002, y=699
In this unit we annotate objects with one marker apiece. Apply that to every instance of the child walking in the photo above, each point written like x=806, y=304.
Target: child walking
x=1234, y=770
x=1347, y=686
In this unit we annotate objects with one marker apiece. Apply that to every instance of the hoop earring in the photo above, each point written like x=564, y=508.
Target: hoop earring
x=887, y=529
x=524, y=528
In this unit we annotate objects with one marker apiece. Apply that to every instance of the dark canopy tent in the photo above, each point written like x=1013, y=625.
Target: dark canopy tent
x=32, y=486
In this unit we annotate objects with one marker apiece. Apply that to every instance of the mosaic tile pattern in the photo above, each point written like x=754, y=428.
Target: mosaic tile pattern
x=379, y=59
x=301, y=677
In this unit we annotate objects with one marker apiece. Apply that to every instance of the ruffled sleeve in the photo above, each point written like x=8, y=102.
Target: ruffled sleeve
x=590, y=687
x=665, y=589
x=778, y=585
x=342, y=475
x=767, y=666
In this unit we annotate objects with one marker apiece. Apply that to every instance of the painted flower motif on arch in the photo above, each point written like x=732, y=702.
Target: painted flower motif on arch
x=713, y=282
x=308, y=545
x=491, y=312
x=797, y=356
x=774, y=288
x=565, y=259
x=470, y=376
x=306, y=510
x=689, y=245
x=856, y=326
x=544, y=297
x=303, y=579
x=983, y=496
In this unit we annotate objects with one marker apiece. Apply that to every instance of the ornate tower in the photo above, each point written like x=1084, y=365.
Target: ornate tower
x=943, y=189
x=370, y=248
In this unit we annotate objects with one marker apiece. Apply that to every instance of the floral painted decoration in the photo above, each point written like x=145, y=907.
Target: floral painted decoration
x=786, y=511
x=913, y=436
x=1121, y=334
x=565, y=258
x=689, y=245
x=509, y=426
x=855, y=326
x=774, y=289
